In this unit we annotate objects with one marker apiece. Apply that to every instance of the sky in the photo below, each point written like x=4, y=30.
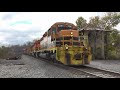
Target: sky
x=21, y=27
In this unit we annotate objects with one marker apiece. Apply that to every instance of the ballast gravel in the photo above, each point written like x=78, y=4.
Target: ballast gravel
x=30, y=67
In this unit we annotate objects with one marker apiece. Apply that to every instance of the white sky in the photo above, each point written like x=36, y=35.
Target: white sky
x=20, y=27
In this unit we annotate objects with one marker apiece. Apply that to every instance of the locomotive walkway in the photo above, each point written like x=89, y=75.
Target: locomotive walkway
x=110, y=65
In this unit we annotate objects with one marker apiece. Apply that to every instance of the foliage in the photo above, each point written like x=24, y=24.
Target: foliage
x=108, y=22
x=81, y=22
x=98, y=52
x=95, y=22
x=3, y=51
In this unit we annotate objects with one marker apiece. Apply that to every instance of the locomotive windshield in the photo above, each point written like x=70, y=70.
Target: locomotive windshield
x=61, y=27
x=64, y=27
x=68, y=27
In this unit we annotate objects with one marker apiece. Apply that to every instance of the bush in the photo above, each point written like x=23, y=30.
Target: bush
x=113, y=55
x=98, y=53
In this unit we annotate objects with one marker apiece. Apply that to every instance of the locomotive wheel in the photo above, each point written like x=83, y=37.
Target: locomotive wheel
x=67, y=57
x=54, y=60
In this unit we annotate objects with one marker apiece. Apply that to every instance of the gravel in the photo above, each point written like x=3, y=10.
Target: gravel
x=29, y=67
x=111, y=65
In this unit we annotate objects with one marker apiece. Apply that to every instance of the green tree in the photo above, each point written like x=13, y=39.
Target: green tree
x=110, y=21
x=3, y=51
x=107, y=22
x=95, y=22
x=81, y=22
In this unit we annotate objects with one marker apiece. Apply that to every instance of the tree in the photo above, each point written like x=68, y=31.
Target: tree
x=3, y=51
x=108, y=22
x=81, y=22
x=95, y=22
x=114, y=39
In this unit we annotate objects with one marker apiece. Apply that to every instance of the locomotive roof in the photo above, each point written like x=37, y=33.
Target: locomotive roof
x=58, y=23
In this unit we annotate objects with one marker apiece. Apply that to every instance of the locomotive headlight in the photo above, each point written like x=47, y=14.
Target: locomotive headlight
x=66, y=47
x=71, y=35
x=71, y=32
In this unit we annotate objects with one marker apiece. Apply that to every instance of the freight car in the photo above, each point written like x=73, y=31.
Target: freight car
x=64, y=43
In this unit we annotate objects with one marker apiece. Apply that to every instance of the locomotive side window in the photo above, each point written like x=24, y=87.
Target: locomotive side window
x=54, y=30
x=49, y=32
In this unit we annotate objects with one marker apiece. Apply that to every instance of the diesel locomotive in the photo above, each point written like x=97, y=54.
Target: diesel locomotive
x=64, y=43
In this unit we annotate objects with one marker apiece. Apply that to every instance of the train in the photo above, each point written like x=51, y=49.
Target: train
x=63, y=43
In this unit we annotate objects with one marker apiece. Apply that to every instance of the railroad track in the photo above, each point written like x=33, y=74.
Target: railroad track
x=94, y=72
x=90, y=71
x=100, y=73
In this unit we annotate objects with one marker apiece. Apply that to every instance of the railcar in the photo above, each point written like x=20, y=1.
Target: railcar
x=64, y=43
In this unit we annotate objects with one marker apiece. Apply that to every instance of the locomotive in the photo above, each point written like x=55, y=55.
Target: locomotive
x=63, y=43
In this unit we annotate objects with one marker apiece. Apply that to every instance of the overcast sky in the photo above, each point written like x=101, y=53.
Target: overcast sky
x=20, y=27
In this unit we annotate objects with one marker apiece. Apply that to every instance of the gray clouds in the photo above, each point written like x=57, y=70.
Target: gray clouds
x=12, y=31
x=20, y=37
x=9, y=15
